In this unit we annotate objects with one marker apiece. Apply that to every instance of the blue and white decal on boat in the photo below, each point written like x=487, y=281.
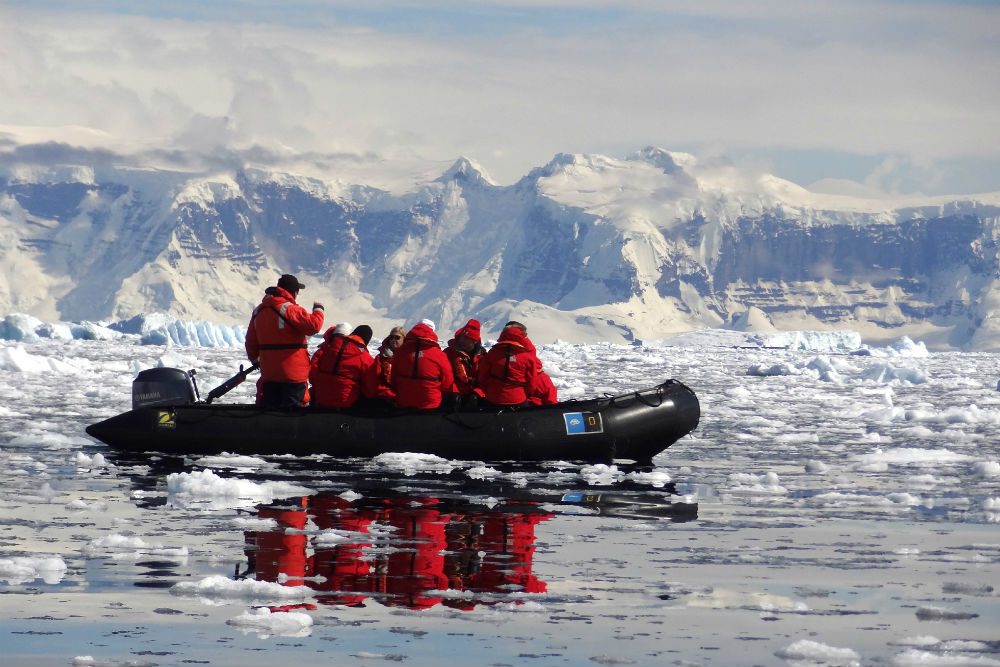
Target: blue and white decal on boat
x=580, y=423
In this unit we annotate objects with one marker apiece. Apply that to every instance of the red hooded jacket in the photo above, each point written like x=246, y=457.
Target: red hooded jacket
x=276, y=337
x=421, y=373
x=544, y=392
x=508, y=374
x=337, y=370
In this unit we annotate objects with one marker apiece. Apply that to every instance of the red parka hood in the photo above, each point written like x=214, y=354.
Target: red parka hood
x=278, y=295
x=515, y=336
x=423, y=332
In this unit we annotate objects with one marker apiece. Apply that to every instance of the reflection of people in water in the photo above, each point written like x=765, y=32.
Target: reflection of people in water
x=397, y=551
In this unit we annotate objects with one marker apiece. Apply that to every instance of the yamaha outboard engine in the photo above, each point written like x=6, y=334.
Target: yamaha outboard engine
x=163, y=387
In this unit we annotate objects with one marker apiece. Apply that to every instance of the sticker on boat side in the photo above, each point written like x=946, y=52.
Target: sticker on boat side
x=165, y=419
x=580, y=423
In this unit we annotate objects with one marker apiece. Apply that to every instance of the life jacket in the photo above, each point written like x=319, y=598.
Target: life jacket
x=508, y=372
x=277, y=334
x=421, y=373
x=337, y=370
x=377, y=382
x=464, y=367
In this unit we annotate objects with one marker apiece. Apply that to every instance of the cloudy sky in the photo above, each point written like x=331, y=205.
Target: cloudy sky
x=897, y=95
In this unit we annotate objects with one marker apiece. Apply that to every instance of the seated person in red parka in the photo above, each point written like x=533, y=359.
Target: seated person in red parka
x=465, y=351
x=544, y=392
x=421, y=373
x=510, y=372
x=339, y=365
x=377, y=383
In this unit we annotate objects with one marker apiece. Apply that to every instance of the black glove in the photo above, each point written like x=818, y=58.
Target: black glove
x=318, y=306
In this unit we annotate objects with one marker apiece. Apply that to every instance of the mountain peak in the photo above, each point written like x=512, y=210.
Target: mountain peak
x=671, y=162
x=466, y=171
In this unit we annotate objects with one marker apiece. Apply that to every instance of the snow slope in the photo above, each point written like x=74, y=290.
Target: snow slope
x=587, y=247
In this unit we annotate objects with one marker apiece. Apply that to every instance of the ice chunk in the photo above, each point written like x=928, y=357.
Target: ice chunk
x=986, y=469
x=783, y=368
x=818, y=653
x=266, y=623
x=162, y=329
x=130, y=547
x=886, y=373
x=19, y=327
x=905, y=347
x=218, y=587
x=601, y=474
x=203, y=488
x=815, y=341
x=911, y=456
x=20, y=360
x=22, y=569
x=816, y=467
x=410, y=463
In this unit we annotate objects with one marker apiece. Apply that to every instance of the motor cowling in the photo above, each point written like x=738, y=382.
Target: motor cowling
x=155, y=387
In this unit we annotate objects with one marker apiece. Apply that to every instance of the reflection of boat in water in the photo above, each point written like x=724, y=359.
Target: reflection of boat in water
x=404, y=551
x=167, y=417
x=415, y=551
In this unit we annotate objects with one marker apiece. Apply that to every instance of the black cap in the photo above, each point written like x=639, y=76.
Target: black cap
x=289, y=282
x=364, y=332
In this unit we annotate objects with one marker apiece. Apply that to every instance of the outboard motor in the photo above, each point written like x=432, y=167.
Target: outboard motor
x=162, y=387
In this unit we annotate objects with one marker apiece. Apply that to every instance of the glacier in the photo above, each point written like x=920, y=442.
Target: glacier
x=584, y=248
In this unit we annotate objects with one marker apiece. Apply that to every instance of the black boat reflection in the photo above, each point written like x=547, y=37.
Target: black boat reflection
x=415, y=552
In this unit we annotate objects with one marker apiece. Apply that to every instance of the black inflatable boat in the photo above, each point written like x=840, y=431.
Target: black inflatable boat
x=167, y=417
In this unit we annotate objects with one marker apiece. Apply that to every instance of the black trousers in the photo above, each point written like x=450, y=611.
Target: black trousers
x=282, y=395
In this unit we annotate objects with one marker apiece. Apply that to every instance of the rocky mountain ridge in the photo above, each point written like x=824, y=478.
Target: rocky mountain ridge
x=587, y=247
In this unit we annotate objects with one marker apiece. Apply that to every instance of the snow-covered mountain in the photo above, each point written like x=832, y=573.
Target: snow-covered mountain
x=586, y=247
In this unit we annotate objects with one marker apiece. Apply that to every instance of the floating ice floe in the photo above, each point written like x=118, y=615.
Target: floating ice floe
x=809, y=652
x=410, y=463
x=19, y=360
x=162, y=329
x=888, y=374
x=130, y=547
x=205, y=489
x=483, y=472
x=906, y=347
x=815, y=341
x=227, y=460
x=655, y=478
x=151, y=329
x=913, y=456
x=217, y=588
x=917, y=658
x=253, y=523
x=23, y=569
x=840, y=499
x=601, y=474
x=265, y=623
x=816, y=467
x=767, y=484
x=774, y=370
x=821, y=368
x=28, y=329
x=81, y=460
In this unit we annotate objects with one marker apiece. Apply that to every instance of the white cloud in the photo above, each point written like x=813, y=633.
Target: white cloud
x=908, y=79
